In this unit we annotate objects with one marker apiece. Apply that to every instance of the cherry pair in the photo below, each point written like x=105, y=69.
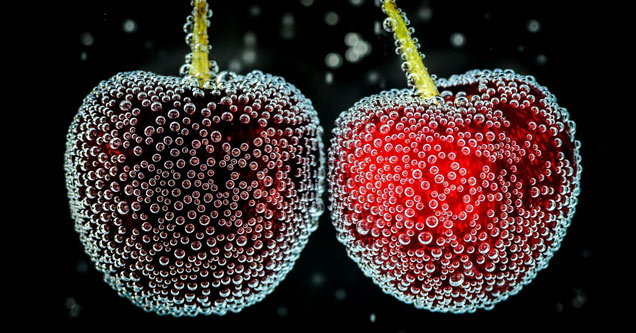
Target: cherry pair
x=196, y=195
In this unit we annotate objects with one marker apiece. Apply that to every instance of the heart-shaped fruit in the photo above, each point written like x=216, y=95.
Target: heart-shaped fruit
x=454, y=203
x=195, y=200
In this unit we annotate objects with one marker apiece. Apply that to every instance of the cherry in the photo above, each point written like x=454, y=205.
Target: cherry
x=453, y=200
x=195, y=195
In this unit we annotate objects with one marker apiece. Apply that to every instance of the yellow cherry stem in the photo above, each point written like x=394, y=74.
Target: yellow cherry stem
x=418, y=75
x=200, y=66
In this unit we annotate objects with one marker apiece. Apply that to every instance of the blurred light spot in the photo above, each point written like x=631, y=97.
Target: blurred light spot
x=340, y=294
x=585, y=254
x=129, y=26
x=288, y=22
x=72, y=307
x=281, y=311
x=333, y=60
x=87, y=39
x=352, y=56
x=318, y=279
x=356, y=2
x=579, y=299
x=255, y=10
x=558, y=307
x=373, y=77
x=372, y=317
x=533, y=26
x=83, y=56
x=425, y=13
x=329, y=78
x=521, y=48
x=235, y=65
x=541, y=60
x=487, y=16
x=457, y=39
x=306, y=3
x=331, y=18
x=82, y=266
x=248, y=56
x=377, y=28
x=249, y=39
x=351, y=38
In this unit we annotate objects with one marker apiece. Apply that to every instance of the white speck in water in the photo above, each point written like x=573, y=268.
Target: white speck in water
x=541, y=59
x=333, y=60
x=281, y=311
x=356, y=2
x=87, y=39
x=307, y=3
x=533, y=26
x=425, y=13
x=340, y=294
x=372, y=317
x=457, y=39
x=255, y=10
x=331, y=18
x=83, y=56
x=352, y=38
x=329, y=78
x=129, y=26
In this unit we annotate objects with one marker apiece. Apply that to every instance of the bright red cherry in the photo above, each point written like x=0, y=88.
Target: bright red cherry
x=455, y=202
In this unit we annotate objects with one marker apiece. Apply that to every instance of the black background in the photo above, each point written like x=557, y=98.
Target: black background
x=87, y=43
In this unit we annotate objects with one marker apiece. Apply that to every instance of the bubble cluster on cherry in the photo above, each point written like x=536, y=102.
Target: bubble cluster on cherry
x=195, y=201
x=454, y=203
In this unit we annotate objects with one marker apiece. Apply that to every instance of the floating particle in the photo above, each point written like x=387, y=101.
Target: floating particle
x=288, y=26
x=282, y=311
x=541, y=60
x=457, y=39
x=307, y=3
x=329, y=78
x=340, y=294
x=372, y=317
x=454, y=204
x=87, y=39
x=194, y=200
x=425, y=13
x=129, y=26
x=333, y=60
x=331, y=18
x=533, y=26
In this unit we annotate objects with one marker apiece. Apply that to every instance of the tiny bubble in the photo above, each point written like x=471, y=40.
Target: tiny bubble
x=329, y=78
x=541, y=60
x=255, y=10
x=87, y=39
x=457, y=39
x=281, y=311
x=533, y=26
x=372, y=317
x=425, y=13
x=331, y=18
x=340, y=294
x=129, y=26
x=333, y=60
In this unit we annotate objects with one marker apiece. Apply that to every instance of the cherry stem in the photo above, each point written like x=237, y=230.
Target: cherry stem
x=200, y=65
x=417, y=75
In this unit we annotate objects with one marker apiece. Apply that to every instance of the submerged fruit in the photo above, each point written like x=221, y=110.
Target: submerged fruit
x=194, y=200
x=455, y=203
